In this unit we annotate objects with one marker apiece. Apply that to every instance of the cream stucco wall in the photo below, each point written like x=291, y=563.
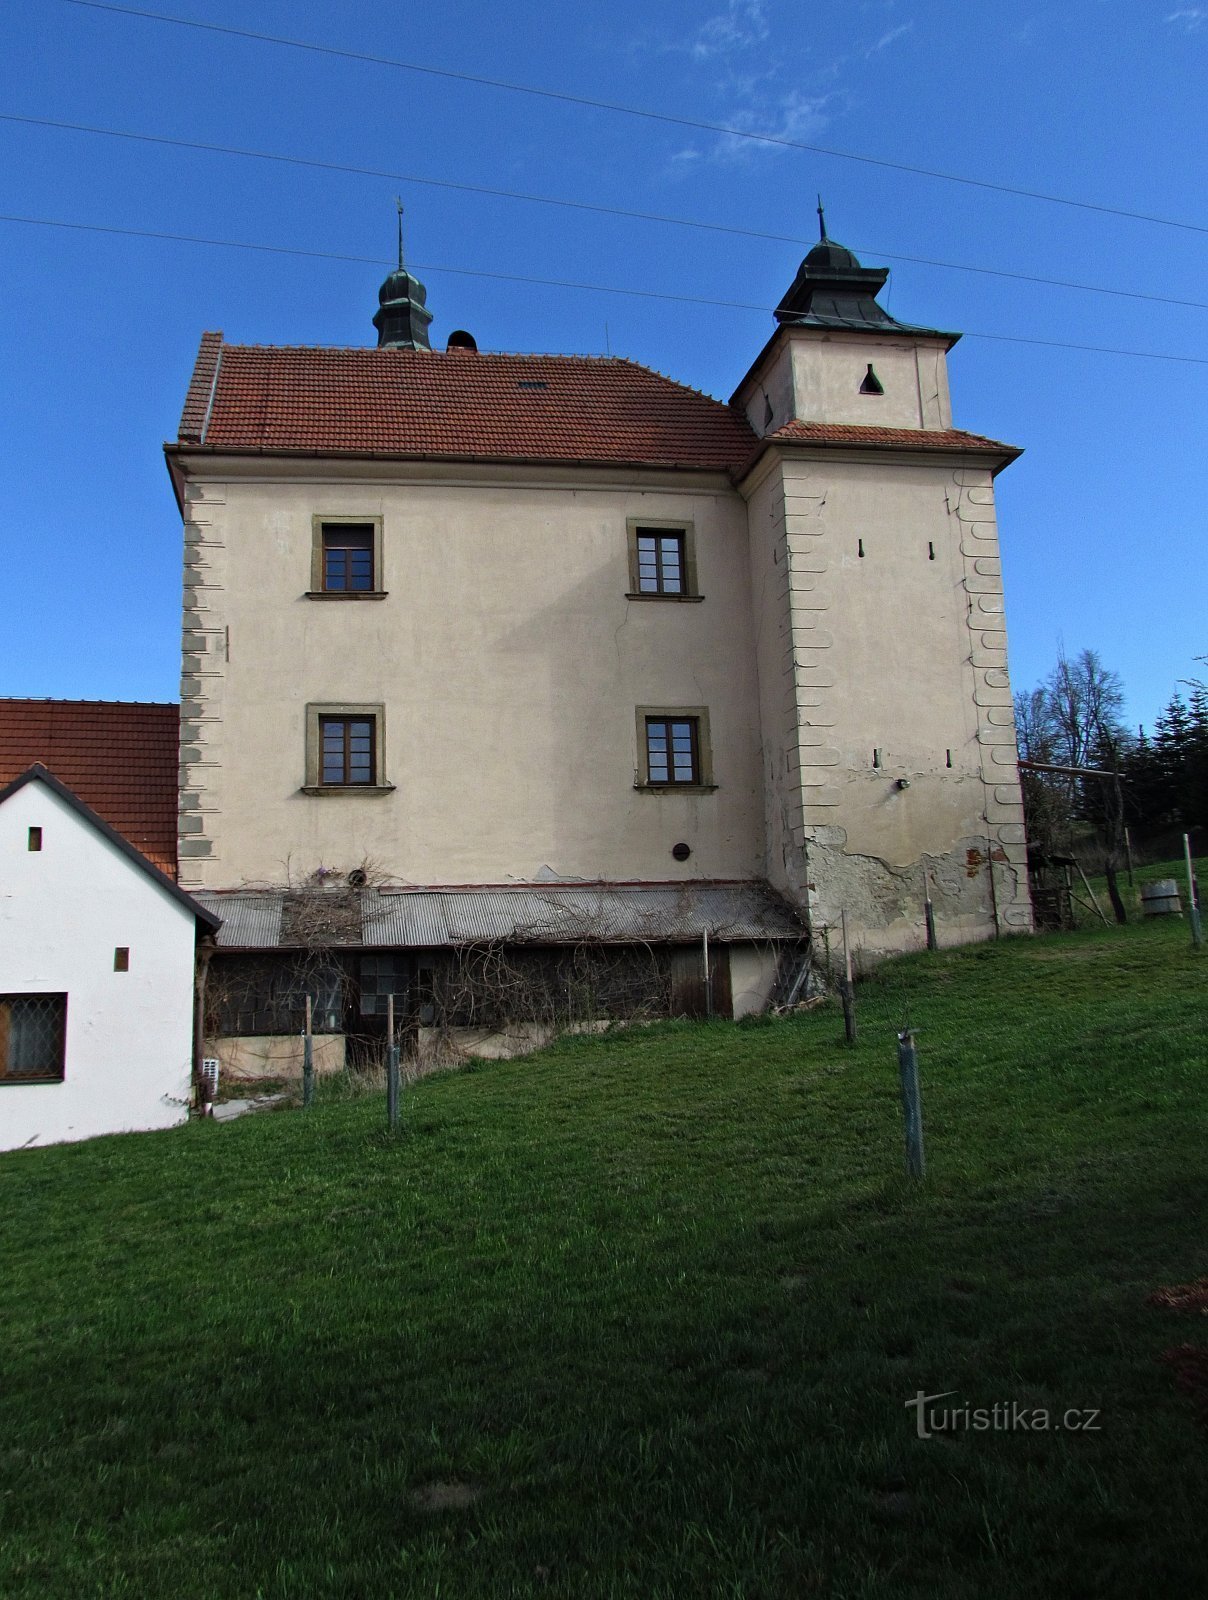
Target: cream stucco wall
x=63, y=911
x=509, y=664
x=753, y=969
x=250, y=1056
x=815, y=376
x=828, y=372
x=889, y=751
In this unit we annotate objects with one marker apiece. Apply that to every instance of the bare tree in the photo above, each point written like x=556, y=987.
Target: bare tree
x=1076, y=719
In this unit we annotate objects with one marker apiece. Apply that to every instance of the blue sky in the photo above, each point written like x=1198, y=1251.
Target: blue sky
x=1102, y=520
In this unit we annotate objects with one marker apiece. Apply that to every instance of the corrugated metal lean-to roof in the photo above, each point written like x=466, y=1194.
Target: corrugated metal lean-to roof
x=429, y=919
x=249, y=921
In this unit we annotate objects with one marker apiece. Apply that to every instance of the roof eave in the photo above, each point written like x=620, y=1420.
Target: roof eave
x=178, y=450
x=176, y=473
x=995, y=458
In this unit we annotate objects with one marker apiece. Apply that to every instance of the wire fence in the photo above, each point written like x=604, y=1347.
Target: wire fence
x=933, y=1005
x=941, y=1011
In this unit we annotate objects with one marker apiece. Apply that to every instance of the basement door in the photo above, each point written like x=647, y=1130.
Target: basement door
x=689, y=992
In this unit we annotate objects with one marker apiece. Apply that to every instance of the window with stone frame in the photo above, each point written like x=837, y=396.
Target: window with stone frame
x=673, y=748
x=662, y=561
x=344, y=749
x=346, y=559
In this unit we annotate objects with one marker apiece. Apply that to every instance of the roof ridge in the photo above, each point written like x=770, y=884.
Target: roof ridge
x=56, y=700
x=467, y=356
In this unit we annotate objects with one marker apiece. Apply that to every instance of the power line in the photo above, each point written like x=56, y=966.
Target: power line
x=381, y=261
x=699, y=124
x=547, y=283
x=582, y=205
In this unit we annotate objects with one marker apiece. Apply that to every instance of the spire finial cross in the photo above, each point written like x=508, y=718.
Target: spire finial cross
x=399, y=203
x=821, y=221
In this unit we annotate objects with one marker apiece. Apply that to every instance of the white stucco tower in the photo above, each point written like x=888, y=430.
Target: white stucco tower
x=885, y=706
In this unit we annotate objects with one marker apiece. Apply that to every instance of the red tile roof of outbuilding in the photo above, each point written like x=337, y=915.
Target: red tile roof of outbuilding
x=119, y=757
x=458, y=405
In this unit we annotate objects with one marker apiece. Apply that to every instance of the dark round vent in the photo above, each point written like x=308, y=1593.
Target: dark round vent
x=681, y=851
x=459, y=339
x=357, y=878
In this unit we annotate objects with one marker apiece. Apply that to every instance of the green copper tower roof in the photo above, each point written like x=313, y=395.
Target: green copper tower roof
x=832, y=290
x=402, y=317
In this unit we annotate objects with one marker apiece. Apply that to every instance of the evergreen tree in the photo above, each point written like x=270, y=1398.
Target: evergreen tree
x=1194, y=793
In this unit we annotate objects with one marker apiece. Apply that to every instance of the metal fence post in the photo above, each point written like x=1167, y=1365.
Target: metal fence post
x=308, y=1057
x=929, y=916
x=1197, y=931
x=391, y=1068
x=848, y=988
x=912, y=1106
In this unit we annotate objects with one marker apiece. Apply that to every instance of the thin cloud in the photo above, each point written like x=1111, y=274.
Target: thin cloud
x=887, y=39
x=1192, y=18
x=741, y=26
x=798, y=116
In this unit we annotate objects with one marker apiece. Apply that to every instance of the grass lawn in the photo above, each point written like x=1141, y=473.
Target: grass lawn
x=640, y=1315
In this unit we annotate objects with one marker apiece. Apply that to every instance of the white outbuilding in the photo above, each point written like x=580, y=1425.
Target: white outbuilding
x=97, y=960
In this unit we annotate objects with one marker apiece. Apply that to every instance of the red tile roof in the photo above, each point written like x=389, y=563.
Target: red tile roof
x=201, y=387
x=119, y=757
x=847, y=435
x=461, y=405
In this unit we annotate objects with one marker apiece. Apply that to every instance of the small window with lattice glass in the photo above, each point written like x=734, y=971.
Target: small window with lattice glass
x=33, y=1036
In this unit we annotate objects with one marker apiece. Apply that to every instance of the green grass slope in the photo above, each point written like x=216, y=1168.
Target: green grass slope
x=640, y=1316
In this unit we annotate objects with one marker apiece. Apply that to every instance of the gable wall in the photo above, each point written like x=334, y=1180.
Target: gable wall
x=63, y=911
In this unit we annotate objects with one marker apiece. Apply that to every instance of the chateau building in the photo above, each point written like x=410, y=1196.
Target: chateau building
x=551, y=651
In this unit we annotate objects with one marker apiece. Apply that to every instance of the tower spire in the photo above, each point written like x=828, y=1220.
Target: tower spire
x=402, y=318
x=821, y=222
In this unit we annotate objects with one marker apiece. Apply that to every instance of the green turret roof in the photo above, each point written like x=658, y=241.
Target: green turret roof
x=832, y=290
x=402, y=317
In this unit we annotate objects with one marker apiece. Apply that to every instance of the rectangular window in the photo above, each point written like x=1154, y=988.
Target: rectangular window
x=33, y=1036
x=345, y=750
x=346, y=559
x=384, y=974
x=35, y=838
x=662, y=561
x=121, y=958
x=673, y=748
x=347, y=556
